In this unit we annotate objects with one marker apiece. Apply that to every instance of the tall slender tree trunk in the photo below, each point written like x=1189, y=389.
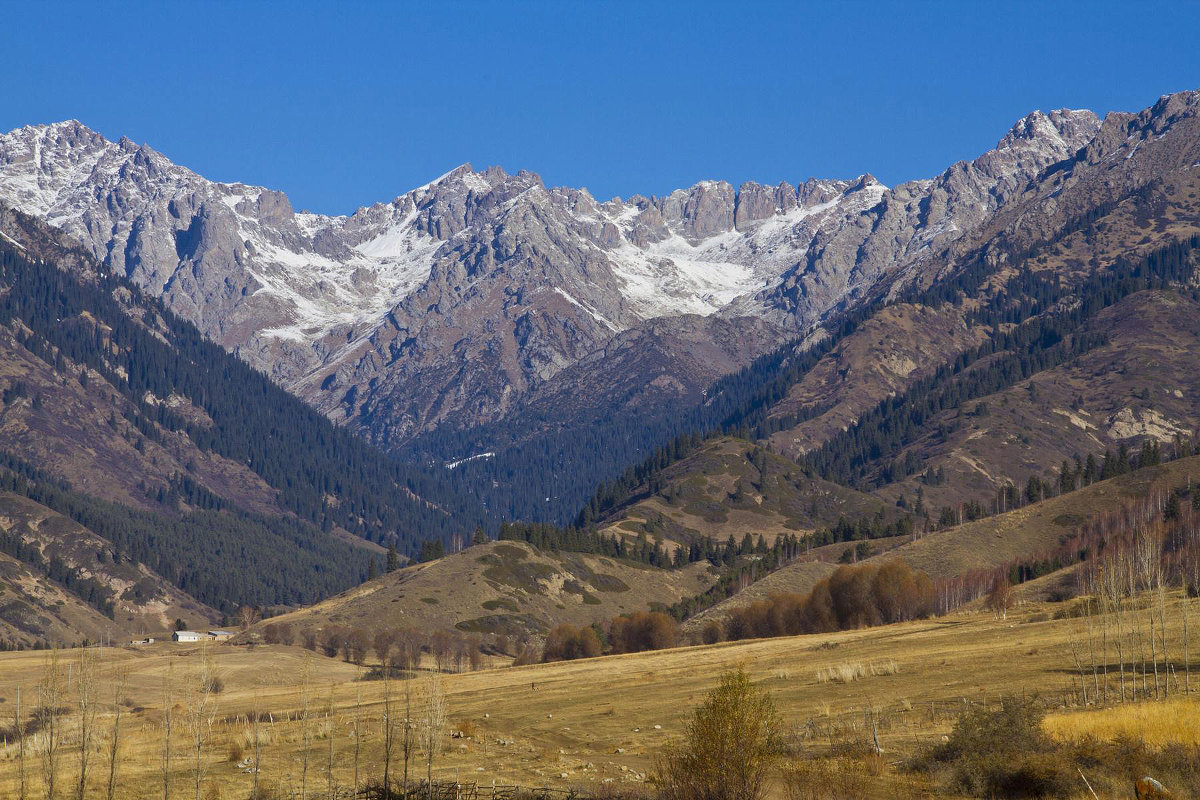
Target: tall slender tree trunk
x=387, y=733
x=329, y=760
x=168, y=721
x=1187, y=662
x=19, y=730
x=49, y=700
x=305, y=732
x=86, y=705
x=408, y=732
x=255, y=722
x=357, y=731
x=120, y=682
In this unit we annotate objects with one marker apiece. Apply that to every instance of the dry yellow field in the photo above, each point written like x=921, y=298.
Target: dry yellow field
x=568, y=724
x=1176, y=720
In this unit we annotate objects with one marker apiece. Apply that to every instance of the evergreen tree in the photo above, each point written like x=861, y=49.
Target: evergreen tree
x=432, y=550
x=479, y=537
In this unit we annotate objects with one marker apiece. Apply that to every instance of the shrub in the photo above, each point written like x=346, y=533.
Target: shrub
x=566, y=643
x=526, y=655
x=643, y=630
x=841, y=673
x=730, y=748
x=1004, y=753
x=712, y=633
x=852, y=597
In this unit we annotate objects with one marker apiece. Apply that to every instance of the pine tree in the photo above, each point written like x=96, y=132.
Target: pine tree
x=479, y=537
x=393, y=559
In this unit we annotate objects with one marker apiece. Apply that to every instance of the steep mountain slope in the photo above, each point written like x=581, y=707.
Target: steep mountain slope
x=1140, y=384
x=63, y=565
x=1129, y=195
x=35, y=609
x=507, y=588
x=486, y=298
x=176, y=455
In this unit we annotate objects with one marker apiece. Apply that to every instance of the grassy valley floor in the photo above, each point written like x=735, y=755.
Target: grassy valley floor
x=584, y=724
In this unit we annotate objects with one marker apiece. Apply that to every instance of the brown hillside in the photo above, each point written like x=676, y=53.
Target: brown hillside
x=1145, y=382
x=505, y=587
x=143, y=602
x=984, y=544
x=78, y=433
x=897, y=346
x=34, y=608
x=1037, y=528
x=733, y=487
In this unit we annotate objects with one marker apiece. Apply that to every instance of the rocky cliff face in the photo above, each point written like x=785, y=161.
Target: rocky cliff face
x=464, y=298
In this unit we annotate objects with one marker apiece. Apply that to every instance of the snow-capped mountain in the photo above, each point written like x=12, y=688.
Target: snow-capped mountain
x=464, y=297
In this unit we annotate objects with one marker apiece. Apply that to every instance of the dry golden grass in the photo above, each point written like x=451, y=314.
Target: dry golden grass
x=1173, y=721
x=573, y=723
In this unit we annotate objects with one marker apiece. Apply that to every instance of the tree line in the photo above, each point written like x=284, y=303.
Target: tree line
x=628, y=633
x=854, y=596
x=224, y=559
x=146, y=349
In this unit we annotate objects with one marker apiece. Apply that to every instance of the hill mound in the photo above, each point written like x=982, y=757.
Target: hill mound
x=733, y=487
x=505, y=588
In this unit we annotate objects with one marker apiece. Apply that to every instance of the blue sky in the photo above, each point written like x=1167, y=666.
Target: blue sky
x=344, y=104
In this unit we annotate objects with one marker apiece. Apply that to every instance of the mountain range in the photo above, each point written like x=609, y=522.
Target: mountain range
x=907, y=352
x=477, y=300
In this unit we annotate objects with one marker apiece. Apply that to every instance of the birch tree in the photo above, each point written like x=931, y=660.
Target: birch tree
x=85, y=694
x=119, y=686
x=201, y=714
x=433, y=724
x=50, y=696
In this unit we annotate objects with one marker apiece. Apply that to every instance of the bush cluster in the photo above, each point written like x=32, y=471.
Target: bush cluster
x=629, y=633
x=1004, y=753
x=567, y=643
x=852, y=597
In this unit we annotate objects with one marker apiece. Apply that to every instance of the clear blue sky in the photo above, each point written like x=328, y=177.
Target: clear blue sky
x=342, y=104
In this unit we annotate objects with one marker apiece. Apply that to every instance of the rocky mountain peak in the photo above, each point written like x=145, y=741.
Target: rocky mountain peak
x=465, y=294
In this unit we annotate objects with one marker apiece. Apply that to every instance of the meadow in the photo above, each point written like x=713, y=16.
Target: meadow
x=595, y=724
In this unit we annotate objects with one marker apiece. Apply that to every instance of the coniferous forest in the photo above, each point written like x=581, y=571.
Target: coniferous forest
x=325, y=477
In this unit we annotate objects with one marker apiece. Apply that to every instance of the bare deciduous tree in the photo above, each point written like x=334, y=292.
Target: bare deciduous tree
x=247, y=616
x=85, y=695
x=19, y=730
x=120, y=682
x=389, y=729
x=50, y=695
x=305, y=725
x=999, y=599
x=168, y=724
x=357, y=732
x=330, y=783
x=201, y=714
x=433, y=723
x=407, y=742
x=256, y=739
x=383, y=648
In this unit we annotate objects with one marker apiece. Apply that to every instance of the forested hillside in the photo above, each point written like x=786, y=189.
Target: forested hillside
x=123, y=418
